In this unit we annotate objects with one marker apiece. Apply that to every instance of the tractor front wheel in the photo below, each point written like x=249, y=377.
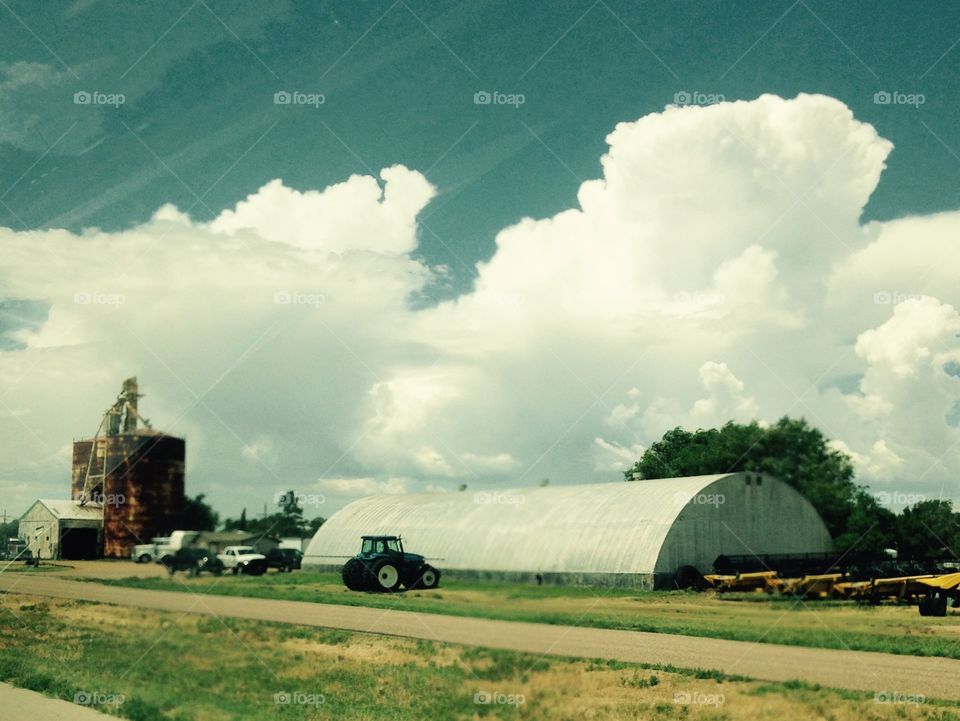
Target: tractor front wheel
x=424, y=577
x=429, y=577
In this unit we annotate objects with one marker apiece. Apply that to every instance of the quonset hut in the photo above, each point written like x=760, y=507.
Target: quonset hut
x=644, y=534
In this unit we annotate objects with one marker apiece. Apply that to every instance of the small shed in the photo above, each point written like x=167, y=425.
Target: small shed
x=63, y=529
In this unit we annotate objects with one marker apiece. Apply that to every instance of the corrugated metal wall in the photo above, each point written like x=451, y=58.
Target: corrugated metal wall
x=608, y=529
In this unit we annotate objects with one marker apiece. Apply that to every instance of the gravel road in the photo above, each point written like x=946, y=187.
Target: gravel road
x=879, y=673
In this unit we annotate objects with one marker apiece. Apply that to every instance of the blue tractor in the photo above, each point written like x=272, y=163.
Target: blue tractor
x=383, y=566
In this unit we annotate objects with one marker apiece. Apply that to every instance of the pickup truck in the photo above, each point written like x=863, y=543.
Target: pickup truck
x=244, y=559
x=163, y=546
x=147, y=552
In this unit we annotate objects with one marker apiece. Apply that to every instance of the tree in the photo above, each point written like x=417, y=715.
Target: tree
x=9, y=530
x=929, y=529
x=288, y=521
x=791, y=449
x=870, y=527
x=199, y=515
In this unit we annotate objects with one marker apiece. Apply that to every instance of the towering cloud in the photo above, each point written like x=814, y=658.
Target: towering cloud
x=718, y=269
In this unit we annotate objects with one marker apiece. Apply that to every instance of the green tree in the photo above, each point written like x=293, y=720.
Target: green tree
x=316, y=523
x=791, y=449
x=929, y=529
x=870, y=527
x=198, y=515
x=288, y=521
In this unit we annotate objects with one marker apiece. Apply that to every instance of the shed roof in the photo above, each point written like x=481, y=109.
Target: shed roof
x=72, y=510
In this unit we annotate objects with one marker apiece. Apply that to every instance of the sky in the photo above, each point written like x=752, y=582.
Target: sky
x=384, y=247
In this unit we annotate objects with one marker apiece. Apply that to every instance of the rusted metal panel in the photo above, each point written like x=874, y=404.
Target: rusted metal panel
x=143, y=489
x=139, y=480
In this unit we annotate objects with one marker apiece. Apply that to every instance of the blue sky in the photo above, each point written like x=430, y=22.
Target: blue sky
x=671, y=213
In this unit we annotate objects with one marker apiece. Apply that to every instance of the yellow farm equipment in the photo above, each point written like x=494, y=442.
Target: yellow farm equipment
x=932, y=592
x=758, y=581
x=937, y=592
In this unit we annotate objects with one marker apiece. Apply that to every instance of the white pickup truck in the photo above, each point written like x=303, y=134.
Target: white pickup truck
x=163, y=546
x=243, y=559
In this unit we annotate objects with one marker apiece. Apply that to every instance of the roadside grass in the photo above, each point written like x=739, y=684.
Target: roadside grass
x=743, y=617
x=172, y=667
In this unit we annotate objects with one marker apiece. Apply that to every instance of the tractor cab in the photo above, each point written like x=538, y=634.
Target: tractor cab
x=379, y=545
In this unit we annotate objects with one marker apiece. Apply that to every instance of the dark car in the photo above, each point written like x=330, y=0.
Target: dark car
x=284, y=559
x=194, y=561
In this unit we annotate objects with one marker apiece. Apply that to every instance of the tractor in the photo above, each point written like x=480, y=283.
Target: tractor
x=382, y=565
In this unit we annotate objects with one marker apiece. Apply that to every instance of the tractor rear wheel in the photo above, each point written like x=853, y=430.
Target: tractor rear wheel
x=924, y=606
x=386, y=576
x=355, y=575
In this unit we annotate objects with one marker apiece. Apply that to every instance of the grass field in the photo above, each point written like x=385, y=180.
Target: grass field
x=159, y=666
x=747, y=617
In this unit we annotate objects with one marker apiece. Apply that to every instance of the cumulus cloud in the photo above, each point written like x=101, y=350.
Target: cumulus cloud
x=726, y=399
x=717, y=270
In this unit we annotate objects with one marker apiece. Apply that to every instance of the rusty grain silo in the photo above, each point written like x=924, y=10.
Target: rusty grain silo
x=137, y=474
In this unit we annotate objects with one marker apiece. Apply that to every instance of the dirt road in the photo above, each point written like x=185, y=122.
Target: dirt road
x=887, y=674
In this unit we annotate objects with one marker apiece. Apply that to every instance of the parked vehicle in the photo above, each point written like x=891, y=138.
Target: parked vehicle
x=178, y=540
x=383, y=565
x=244, y=559
x=163, y=546
x=284, y=559
x=147, y=552
x=193, y=561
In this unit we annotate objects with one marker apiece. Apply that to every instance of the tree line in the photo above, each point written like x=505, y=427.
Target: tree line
x=800, y=455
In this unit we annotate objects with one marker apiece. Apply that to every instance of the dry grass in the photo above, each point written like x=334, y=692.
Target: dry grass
x=203, y=669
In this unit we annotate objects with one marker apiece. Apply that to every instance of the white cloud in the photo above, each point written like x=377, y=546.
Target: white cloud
x=726, y=400
x=355, y=487
x=718, y=239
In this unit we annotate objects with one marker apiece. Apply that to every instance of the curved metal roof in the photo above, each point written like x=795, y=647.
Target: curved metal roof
x=617, y=528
